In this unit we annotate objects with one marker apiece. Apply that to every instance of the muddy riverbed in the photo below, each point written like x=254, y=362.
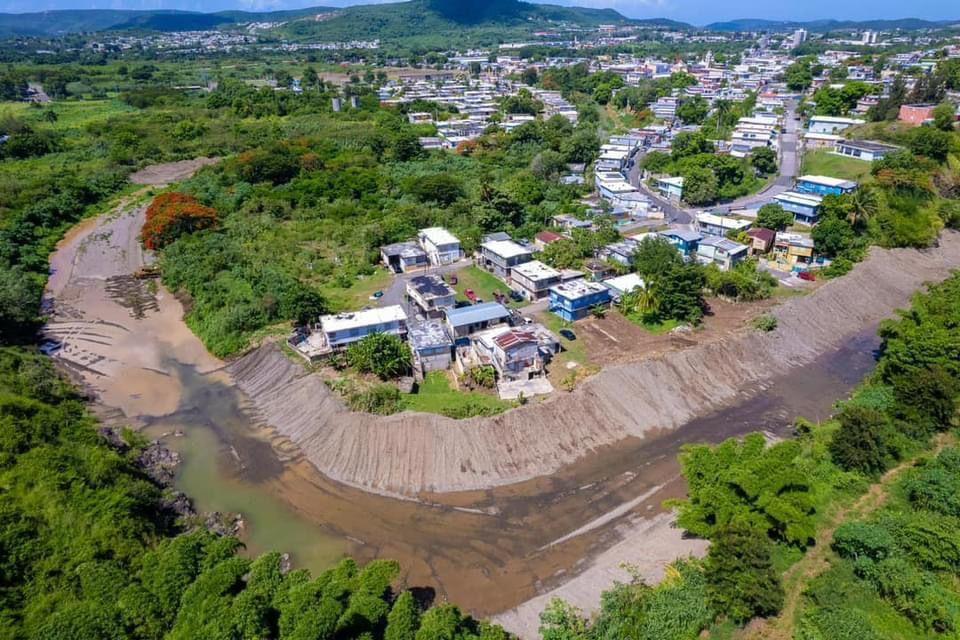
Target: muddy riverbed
x=488, y=550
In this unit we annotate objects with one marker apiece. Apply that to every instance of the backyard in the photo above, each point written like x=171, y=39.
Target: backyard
x=824, y=163
x=436, y=395
x=483, y=284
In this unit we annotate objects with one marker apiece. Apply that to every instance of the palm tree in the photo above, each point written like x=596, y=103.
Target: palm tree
x=864, y=203
x=722, y=107
x=640, y=301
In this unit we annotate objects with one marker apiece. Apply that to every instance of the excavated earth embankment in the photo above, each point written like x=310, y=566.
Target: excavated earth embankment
x=412, y=452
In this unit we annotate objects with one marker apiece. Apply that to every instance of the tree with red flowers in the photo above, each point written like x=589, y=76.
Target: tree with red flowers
x=173, y=214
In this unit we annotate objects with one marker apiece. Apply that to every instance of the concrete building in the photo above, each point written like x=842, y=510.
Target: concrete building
x=864, y=149
x=721, y=252
x=431, y=345
x=402, y=257
x=824, y=185
x=805, y=207
x=431, y=294
x=441, y=246
x=463, y=321
x=501, y=256
x=685, y=241
x=710, y=224
x=573, y=300
x=831, y=124
x=342, y=329
x=533, y=279
x=623, y=285
x=671, y=187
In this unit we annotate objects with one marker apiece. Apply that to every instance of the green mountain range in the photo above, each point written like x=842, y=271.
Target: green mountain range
x=465, y=22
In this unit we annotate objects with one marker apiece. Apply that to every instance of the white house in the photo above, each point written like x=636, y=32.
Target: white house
x=864, y=149
x=671, y=187
x=341, y=329
x=831, y=124
x=623, y=285
x=441, y=246
x=721, y=252
x=533, y=279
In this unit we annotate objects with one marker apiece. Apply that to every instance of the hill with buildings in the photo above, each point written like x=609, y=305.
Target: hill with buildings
x=818, y=26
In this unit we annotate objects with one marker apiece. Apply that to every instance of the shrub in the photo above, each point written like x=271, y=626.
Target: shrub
x=863, y=441
x=742, y=582
x=171, y=215
x=382, y=399
x=863, y=540
x=382, y=354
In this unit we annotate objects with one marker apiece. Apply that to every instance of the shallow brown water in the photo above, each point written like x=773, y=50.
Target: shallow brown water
x=486, y=550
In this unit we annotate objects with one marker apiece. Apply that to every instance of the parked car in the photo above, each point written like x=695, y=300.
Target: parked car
x=470, y=295
x=452, y=279
x=515, y=296
x=527, y=320
x=50, y=347
x=377, y=295
x=807, y=275
x=568, y=334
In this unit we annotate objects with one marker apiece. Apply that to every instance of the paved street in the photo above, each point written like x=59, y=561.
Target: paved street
x=789, y=161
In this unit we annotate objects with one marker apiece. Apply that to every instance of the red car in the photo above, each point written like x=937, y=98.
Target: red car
x=471, y=296
x=807, y=275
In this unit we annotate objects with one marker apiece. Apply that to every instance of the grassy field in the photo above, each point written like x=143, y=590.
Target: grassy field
x=435, y=395
x=483, y=284
x=824, y=163
x=358, y=294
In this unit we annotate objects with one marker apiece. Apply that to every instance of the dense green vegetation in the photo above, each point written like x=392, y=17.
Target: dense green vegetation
x=89, y=548
x=892, y=575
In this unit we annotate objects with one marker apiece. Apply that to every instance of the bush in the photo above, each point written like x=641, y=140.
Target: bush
x=742, y=582
x=382, y=354
x=383, y=399
x=767, y=322
x=862, y=540
x=773, y=216
x=171, y=215
x=862, y=443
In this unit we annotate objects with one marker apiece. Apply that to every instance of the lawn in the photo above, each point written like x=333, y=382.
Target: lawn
x=435, y=395
x=483, y=284
x=653, y=327
x=573, y=350
x=824, y=163
x=357, y=295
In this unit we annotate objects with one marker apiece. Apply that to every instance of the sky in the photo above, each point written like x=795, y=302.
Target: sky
x=697, y=12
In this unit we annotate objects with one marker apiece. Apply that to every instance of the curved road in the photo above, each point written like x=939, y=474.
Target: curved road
x=789, y=148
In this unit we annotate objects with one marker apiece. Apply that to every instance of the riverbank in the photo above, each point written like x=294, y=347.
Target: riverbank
x=411, y=453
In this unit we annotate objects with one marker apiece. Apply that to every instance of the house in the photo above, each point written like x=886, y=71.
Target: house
x=824, y=185
x=402, y=257
x=684, y=240
x=633, y=202
x=813, y=141
x=340, y=330
x=793, y=251
x=715, y=225
x=761, y=240
x=441, y=246
x=831, y=124
x=805, y=207
x=495, y=236
x=501, y=256
x=569, y=222
x=516, y=353
x=533, y=279
x=431, y=345
x=622, y=285
x=431, y=294
x=671, y=187
x=721, y=252
x=463, y=321
x=916, y=113
x=573, y=300
x=596, y=270
x=864, y=149
x=513, y=352
x=620, y=252
x=544, y=238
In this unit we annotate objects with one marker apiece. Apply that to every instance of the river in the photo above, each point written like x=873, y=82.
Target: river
x=486, y=550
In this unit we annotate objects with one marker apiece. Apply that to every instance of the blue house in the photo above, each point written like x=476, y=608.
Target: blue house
x=805, y=207
x=824, y=185
x=573, y=300
x=684, y=240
